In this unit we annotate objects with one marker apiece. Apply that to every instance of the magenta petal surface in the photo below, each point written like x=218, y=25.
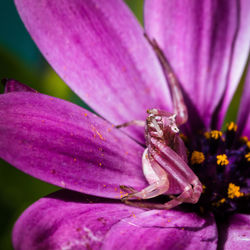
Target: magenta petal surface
x=166, y=229
x=98, y=48
x=238, y=234
x=244, y=109
x=207, y=43
x=67, y=220
x=63, y=144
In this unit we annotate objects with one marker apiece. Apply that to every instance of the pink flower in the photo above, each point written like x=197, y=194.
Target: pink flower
x=98, y=48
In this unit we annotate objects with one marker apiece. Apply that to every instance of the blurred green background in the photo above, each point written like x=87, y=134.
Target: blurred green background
x=21, y=60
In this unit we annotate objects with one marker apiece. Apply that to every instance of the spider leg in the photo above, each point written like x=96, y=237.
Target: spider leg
x=186, y=196
x=159, y=184
x=191, y=194
x=180, y=108
x=150, y=191
x=127, y=189
x=155, y=175
x=139, y=123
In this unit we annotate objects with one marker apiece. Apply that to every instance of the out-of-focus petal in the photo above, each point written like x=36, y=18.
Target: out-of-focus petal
x=68, y=220
x=167, y=229
x=244, y=109
x=239, y=57
x=207, y=43
x=12, y=85
x=98, y=48
x=63, y=144
x=238, y=234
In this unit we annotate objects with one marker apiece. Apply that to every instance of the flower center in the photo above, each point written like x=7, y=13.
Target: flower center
x=221, y=161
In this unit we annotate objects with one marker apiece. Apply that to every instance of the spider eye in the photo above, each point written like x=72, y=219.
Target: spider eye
x=175, y=129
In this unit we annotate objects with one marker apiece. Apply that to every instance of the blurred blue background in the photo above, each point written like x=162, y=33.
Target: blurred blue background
x=21, y=60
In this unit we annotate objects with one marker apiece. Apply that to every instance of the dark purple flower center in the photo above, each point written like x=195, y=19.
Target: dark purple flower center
x=221, y=161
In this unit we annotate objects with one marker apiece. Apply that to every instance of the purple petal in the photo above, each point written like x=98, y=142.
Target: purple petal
x=98, y=48
x=63, y=144
x=238, y=235
x=244, y=110
x=12, y=85
x=207, y=43
x=240, y=55
x=67, y=220
x=167, y=229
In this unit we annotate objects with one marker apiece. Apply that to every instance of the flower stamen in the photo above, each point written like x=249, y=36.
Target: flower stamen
x=244, y=139
x=219, y=202
x=215, y=134
x=204, y=188
x=207, y=135
x=183, y=137
x=247, y=156
x=222, y=160
x=197, y=157
x=234, y=191
x=232, y=126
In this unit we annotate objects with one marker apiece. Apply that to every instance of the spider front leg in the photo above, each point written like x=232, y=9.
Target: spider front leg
x=167, y=173
x=155, y=175
x=139, y=123
x=189, y=195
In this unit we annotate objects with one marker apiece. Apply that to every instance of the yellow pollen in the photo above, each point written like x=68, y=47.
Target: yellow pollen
x=207, y=135
x=204, y=188
x=244, y=139
x=233, y=191
x=219, y=202
x=123, y=195
x=247, y=156
x=197, y=157
x=232, y=126
x=184, y=137
x=215, y=134
x=222, y=160
x=222, y=200
x=95, y=131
